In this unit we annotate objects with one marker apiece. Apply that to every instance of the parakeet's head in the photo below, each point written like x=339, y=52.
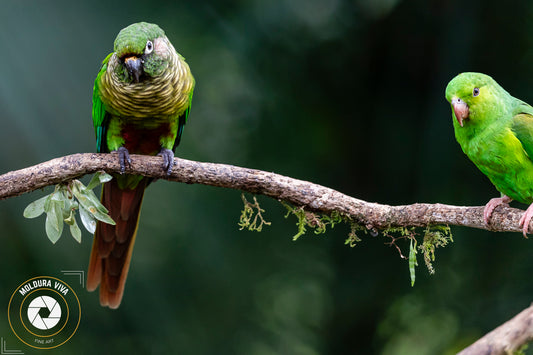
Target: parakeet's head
x=472, y=96
x=142, y=51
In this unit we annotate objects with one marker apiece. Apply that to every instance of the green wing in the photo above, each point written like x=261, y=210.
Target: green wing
x=522, y=127
x=100, y=115
x=183, y=120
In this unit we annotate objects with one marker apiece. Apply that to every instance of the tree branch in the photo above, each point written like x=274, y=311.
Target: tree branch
x=311, y=197
x=300, y=193
x=507, y=338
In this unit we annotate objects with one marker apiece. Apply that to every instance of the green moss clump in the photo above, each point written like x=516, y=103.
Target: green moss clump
x=252, y=216
x=434, y=237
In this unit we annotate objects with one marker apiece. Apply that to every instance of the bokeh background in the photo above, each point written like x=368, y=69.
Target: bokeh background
x=344, y=93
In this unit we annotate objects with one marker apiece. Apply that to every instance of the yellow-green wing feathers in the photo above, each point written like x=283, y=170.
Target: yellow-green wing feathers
x=522, y=127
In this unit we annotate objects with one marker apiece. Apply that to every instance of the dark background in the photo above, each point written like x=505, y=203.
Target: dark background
x=347, y=94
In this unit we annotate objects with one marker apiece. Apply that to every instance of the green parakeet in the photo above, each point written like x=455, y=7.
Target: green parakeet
x=141, y=99
x=495, y=130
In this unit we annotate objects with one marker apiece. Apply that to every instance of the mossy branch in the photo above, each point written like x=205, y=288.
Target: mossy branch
x=315, y=206
x=302, y=194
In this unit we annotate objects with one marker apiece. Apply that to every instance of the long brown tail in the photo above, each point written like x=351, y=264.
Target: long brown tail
x=113, y=245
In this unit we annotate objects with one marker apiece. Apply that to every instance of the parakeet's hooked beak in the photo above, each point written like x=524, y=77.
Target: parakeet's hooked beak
x=134, y=66
x=460, y=109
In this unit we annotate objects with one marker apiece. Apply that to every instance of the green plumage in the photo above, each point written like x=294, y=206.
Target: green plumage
x=141, y=100
x=163, y=96
x=132, y=39
x=497, y=136
x=495, y=130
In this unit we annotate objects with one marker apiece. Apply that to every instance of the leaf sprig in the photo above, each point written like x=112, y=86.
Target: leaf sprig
x=60, y=207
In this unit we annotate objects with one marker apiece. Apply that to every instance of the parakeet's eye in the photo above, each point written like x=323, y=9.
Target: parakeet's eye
x=149, y=47
x=475, y=92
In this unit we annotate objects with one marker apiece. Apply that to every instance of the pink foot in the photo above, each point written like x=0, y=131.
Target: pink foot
x=495, y=202
x=526, y=218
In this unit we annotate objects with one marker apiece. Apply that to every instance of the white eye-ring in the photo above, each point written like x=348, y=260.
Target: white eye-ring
x=149, y=47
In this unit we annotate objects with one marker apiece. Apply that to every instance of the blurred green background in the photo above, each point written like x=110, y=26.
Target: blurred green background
x=348, y=94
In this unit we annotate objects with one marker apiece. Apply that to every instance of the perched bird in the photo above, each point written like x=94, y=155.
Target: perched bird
x=495, y=130
x=141, y=99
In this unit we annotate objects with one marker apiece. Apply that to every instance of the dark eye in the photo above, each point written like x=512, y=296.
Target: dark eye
x=475, y=92
x=149, y=47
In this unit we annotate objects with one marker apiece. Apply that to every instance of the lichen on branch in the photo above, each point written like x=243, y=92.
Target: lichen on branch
x=252, y=216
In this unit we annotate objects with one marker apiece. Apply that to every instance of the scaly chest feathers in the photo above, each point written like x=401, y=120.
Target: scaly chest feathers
x=165, y=95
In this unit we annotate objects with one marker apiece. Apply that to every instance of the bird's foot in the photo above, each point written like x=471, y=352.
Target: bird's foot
x=123, y=159
x=168, y=159
x=526, y=218
x=492, y=204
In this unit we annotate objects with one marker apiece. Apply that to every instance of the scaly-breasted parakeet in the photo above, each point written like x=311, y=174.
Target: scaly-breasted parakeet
x=141, y=99
x=495, y=130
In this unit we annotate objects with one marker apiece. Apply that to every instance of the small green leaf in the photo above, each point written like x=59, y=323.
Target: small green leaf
x=75, y=231
x=104, y=217
x=60, y=198
x=68, y=198
x=36, y=208
x=54, y=221
x=70, y=220
x=94, y=201
x=104, y=177
x=97, y=179
x=412, y=260
x=47, y=202
x=57, y=206
x=87, y=198
x=52, y=233
x=70, y=205
x=87, y=219
x=76, y=188
x=92, y=204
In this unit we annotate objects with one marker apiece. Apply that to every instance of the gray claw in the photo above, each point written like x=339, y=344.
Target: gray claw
x=168, y=159
x=123, y=159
